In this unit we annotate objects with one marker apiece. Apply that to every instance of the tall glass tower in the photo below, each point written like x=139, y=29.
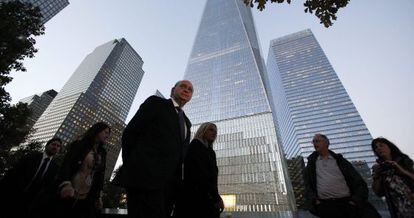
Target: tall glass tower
x=101, y=89
x=37, y=104
x=309, y=98
x=48, y=8
x=227, y=71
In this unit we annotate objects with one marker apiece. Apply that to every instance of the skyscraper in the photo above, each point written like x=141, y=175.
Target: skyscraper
x=101, y=89
x=48, y=8
x=227, y=71
x=38, y=104
x=309, y=98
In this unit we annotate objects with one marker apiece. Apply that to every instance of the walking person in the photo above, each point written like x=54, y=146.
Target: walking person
x=32, y=176
x=200, y=196
x=154, y=144
x=81, y=176
x=333, y=187
x=393, y=177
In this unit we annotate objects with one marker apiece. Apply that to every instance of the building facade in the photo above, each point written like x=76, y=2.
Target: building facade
x=309, y=98
x=102, y=88
x=48, y=8
x=227, y=71
x=37, y=104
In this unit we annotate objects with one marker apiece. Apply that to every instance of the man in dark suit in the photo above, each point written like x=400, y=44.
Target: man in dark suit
x=25, y=181
x=154, y=144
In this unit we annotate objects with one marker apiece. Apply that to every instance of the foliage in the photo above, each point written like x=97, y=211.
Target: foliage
x=9, y=158
x=325, y=10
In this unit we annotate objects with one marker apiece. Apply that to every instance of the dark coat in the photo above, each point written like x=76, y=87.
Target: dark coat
x=21, y=175
x=17, y=180
x=356, y=184
x=200, y=193
x=152, y=147
x=72, y=163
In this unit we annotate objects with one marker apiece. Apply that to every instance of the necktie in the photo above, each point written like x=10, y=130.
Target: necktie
x=181, y=122
x=39, y=175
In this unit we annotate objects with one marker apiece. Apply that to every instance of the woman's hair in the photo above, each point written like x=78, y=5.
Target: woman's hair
x=202, y=131
x=395, y=152
x=90, y=135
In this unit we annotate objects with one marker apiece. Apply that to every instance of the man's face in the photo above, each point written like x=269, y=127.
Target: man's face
x=320, y=143
x=183, y=92
x=53, y=148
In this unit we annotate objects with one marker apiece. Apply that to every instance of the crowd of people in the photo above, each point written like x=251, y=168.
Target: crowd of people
x=166, y=174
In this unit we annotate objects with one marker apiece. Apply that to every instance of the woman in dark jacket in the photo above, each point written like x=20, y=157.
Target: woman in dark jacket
x=82, y=173
x=393, y=178
x=200, y=195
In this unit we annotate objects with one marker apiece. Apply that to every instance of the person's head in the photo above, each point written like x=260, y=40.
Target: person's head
x=52, y=146
x=182, y=92
x=207, y=133
x=98, y=133
x=320, y=143
x=385, y=149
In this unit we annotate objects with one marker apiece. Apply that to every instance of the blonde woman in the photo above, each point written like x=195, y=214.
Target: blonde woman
x=200, y=194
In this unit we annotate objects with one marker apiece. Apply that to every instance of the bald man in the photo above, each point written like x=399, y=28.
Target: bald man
x=154, y=144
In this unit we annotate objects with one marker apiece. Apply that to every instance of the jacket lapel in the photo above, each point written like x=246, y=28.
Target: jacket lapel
x=174, y=120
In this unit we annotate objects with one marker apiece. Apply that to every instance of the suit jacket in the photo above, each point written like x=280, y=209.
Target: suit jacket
x=22, y=174
x=72, y=163
x=152, y=147
x=14, y=184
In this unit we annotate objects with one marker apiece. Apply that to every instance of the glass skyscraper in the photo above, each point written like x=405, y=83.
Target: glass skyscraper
x=227, y=71
x=37, y=104
x=101, y=89
x=48, y=8
x=309, y=98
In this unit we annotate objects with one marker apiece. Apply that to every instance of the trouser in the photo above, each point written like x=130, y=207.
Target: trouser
x=80, y=208
x=155, y=203
x=336, y=207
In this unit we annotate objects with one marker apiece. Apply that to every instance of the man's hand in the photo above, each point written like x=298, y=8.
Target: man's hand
x=67, y=192
x=99, y=203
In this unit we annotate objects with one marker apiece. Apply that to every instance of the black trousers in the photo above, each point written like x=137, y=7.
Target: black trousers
x=158, y=203
x=338, y=208
x=71, y=208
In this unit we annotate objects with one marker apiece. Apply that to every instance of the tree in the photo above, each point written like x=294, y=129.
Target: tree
x=13, y=123
x=9, y=159
x=19, y=23
x=325, y=10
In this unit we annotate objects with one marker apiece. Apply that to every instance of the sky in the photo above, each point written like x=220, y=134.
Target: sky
x=370, y=47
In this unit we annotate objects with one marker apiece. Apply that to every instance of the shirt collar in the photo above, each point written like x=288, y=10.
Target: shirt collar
x=175, y=103
x=46, y=156
x=321, y=158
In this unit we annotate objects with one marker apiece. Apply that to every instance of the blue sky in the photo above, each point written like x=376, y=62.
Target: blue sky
x=370, y=46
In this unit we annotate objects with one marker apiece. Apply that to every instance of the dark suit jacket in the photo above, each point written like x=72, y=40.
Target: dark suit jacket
x=72, y=163
x=22, y=174
x=151, y=145
x=13, y=185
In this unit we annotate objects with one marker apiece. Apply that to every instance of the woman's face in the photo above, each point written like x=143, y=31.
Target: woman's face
x=211, y=133
x=382, y=150
x=104, y=135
